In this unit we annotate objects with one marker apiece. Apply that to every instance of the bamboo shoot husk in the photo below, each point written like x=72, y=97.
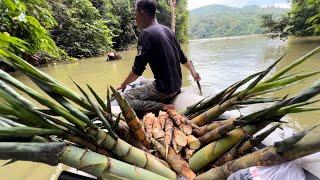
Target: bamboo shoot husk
x=168, y=134
x=157, y=131
x=209, y=127
x=148, y=124
x=180, y=119
x=135, y=126
x=162, y=119
x=175, y=160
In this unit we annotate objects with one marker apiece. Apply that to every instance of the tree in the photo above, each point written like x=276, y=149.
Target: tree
x=82, y=31
x=302, y=20
x=21, y=19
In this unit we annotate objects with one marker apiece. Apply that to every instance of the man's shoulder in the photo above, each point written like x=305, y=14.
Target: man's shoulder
x=156, y=28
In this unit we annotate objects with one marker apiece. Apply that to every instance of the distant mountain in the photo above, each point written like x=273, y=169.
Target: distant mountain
x=223, y=21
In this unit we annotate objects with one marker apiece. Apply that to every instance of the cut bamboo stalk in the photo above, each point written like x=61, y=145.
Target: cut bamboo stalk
x=177, y=163
x=180, y=119
x=180, y=138
x=187, y=129
x=264, y=157
x=193, y=142
x=157, y=131
x=176, y=147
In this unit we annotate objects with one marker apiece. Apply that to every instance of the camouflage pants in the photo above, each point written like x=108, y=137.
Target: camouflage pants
x=146, y=97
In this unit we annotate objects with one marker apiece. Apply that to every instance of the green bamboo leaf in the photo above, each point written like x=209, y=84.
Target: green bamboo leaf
x=287, y=143
x=282, y=82
x=116, y=123
x=99, y=100
x=293, y=65
x=42, y=100
x=28, y=131
x=108, y=110
x=260, y=77
x=98, y=112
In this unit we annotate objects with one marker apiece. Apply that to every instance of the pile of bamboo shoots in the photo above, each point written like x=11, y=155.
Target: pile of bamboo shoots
x=80, y=130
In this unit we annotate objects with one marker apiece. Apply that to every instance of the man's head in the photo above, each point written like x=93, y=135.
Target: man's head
x=145, y=12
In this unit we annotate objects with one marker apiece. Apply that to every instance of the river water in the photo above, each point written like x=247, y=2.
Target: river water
x=220, y=62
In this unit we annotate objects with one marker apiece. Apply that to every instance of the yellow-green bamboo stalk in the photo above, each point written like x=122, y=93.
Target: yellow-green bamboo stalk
x=130, y=153
x=93, y=163
x=264, y=157
x=217, y=148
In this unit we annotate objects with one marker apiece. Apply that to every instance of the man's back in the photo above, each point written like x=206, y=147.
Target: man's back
x=158, y=46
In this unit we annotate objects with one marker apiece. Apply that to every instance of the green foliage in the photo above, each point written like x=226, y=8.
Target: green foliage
x=126, y=35
x=82, y=32
x=182, y=21
x=164, y=12
x=222, y=21
x=16, y=19
x=182, y=17
x=302, y=20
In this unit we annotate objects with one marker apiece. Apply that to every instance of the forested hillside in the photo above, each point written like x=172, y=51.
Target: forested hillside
x=223, y=21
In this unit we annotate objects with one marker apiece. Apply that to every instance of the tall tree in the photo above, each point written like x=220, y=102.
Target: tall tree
x=302, y=20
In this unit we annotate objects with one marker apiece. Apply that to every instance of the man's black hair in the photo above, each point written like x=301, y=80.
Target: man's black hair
x=148, y=6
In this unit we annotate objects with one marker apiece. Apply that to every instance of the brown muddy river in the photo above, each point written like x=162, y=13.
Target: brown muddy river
x=220, y=63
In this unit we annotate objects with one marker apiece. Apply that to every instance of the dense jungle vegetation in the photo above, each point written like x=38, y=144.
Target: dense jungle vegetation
x=302, y=20
x=61, y=30
x=222, y=21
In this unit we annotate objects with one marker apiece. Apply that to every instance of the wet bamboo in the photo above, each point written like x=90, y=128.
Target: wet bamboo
x=217, y=148
x=130, y=153
x=244, y=146
x=264, y=157
x=84, y=160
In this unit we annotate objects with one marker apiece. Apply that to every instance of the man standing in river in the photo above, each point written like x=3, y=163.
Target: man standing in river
x=158, y=46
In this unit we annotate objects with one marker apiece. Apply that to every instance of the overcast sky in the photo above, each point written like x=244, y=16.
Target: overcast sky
x=193, y=4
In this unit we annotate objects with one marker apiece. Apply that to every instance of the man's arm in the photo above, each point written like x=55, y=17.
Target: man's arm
x=140, y=62
x=129, y=79
x=194, y=74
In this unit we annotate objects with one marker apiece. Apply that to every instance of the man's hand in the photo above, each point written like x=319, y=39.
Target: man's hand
x=121, y=87
x=196, y=76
